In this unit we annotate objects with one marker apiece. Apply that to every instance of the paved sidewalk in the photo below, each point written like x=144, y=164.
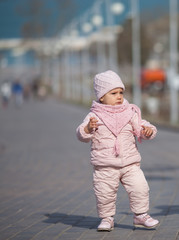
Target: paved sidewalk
x=46, y=179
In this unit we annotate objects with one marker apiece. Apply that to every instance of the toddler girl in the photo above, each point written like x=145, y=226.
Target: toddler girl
x=112, y=126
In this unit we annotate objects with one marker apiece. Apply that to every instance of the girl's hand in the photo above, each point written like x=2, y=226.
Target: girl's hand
x=147, y=131
x=92, y=125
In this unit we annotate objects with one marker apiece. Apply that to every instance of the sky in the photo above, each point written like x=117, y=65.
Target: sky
x=11, y=22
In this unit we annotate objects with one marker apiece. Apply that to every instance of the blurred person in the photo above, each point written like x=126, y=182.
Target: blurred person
x=17, y=90
x=26, y=91
x=35, y=87
x=42, y=92
x=112, y=126
x=5, y=93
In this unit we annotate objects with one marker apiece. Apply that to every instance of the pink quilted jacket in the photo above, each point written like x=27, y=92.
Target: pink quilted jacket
x=103, y=141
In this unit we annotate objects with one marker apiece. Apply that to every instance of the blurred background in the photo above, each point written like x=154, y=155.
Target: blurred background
x=53, y=48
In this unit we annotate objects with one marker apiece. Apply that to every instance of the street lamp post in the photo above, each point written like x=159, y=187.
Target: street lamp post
x=173, y=61
x=116, y=9
x=67, y=66
x=112, y=47
x=85, y=57
x=136, y=68
x=97, y=21
x=55, y=69
x=73, y=79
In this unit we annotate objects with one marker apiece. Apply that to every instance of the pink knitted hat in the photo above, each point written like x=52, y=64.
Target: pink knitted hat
x=106, y=81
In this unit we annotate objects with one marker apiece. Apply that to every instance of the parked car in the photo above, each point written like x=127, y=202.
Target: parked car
x=153, y=78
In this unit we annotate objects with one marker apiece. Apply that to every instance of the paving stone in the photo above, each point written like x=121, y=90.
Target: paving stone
x=46, y=187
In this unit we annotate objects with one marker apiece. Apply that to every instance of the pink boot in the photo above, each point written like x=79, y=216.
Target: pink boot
x=107, y=224
x=145, y=221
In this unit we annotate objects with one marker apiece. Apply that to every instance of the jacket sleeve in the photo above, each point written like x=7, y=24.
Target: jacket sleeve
x=80, y=132
x=135, y=121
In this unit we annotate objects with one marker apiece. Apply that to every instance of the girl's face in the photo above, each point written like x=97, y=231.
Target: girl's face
x=113, y=97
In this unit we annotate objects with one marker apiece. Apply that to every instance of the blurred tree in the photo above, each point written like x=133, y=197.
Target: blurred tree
x=67, y=9
x=37, y=17
x=44, y=18
x=124, y=44
x=146, y=44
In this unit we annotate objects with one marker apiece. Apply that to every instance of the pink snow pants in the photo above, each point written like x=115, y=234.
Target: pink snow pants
x=106, y=182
